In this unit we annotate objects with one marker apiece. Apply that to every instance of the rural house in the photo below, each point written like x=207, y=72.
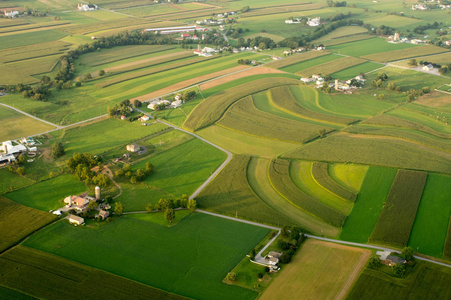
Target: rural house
x=78, y=203
x=133, y=148
x=103, y=214
x=73, y=219
x=273, y=257
x=314, y=22
x=428, y=67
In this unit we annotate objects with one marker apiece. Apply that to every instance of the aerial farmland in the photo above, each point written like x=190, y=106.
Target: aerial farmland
x=218, y=149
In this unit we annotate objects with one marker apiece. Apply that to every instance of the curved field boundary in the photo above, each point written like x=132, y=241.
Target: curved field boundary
x=321, y=176
x=279, y=176
x=245, y=117
x=282, y=98
x=400, y=209
x=212, y=109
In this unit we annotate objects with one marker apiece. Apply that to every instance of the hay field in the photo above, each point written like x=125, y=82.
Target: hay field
x=332, y=67
x=295, y=58
x=319, y=270
x=404, y=53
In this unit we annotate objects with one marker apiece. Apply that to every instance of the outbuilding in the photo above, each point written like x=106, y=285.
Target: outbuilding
x=73, y=219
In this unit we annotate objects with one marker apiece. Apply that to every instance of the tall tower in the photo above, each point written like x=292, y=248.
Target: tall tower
x=97, y=193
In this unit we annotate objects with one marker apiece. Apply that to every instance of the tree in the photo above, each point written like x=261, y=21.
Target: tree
x=285, y=258
x=284, y=231
x=381, y=96
x=137, y=103
x=88, y=76
x=101, y=180
x=165, y=204
x=260, y=275
x=295, y=232
x=20, y=171
x=22, y=159
x=399, y=270
x=253, y=252
x=374, y=261
x=322, y=132
x=426, y=89
x=407, y=253
x=412, y=62
x=133, y=179
x=118, y=208
x=92, y=205
x=169, y=215
x=101, y=72
x=149, y=207
x=57, y=150
x=149, y=167
x=192, y=204
x=231, y=277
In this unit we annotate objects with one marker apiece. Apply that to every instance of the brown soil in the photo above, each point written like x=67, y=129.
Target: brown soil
x=249, y=72
x=435, y=99
x=186, y=83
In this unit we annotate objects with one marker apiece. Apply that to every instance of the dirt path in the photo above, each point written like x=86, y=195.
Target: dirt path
x=250, y=72
x=108, y=172
x=187, y=83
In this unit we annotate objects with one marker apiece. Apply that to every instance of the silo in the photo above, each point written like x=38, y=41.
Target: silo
x=97, y=193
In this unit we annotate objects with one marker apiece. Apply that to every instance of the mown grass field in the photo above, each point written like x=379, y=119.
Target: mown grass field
x=298, y=67
x=352, y=72
x=340, y=32
x=321, y=176
x=429, y=236
x=11, y=181
x=279, y=175
x=30, y=38
x=230, y=194
x=368, y=206
x=332, y=67
x=427, y=281
x=400, y=209
x=211, y=248
x=18, y=221
x=404, y=53
x=295, y=58
x=348, y=175
x=369, y=46
x=16, y=125
x=319, y=271
x=48, y=194
x=24, y=269
x=33, y=51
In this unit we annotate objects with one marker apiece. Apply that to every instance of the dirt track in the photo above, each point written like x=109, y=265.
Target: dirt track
x=250, y=72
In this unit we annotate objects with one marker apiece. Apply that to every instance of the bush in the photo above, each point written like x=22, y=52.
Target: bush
x=285, y=258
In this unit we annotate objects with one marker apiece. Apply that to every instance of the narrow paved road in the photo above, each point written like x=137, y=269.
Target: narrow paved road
x=216, y=172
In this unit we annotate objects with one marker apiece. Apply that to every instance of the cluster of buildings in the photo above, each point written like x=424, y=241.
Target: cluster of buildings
x=293, y=21
x=314, y=22
x=177, y=29
x=420, y=6
x=11, y=14
x=395, y=39
x=10, y=151
x=390, y=260
x=80, y=204
x=221, y=18
x=206, y=51
x=86, y=7
x=338, y=85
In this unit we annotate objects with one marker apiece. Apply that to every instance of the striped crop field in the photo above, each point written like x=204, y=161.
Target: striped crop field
x=279, y=175
x=404, y=53
x=295, y=58
x=30, y=38
x=310, y=63
x=332, y=67
x=400, y=209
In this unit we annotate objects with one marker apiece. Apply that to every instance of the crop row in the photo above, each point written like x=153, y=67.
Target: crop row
x=293, y=59
x=400, y=208
x=32, y=51
x=404, y=53
x=281, y=9
x=244, y=116
x=142, y=73
x=25, y=269
x=348, y=39
x=104, y=25
x=282, y=98
x=229, y=193
x=31, y=26
x=212, y=109
x=447, y=250
x=279, y=175
x=333, y=66
x=321, y=175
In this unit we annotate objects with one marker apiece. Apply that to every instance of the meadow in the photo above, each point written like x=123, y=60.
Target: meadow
x=340, y=32
x=369, y=46
x=11, y=181
x=368, y=206
x=230, y=194
x=22, y=71
x=350, y=176
x=16, y=125
x=447, y=248
x=24, y=269
x=18, y=221
x=404, y=53
x=30, y=38
x=48, y=194
x=429, y=237
x=400, y=209
x=321, y=176
x=427, y=280
x=352, y=72
x=279, y=175
x=210, y=252
x=295, y=58
x=319, y=270
x=296, y=68
x=332, y=67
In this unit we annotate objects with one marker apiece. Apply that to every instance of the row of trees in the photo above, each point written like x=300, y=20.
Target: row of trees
x=135, y=176
x=168, y=205
x=121, y=109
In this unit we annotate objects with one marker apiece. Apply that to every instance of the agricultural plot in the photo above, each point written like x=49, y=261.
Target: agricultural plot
x=400, y=208
x=243, y=116
x=369, y=46
x=32, y=51
x=374, y=151
x=319, y=271
x=25, y=269
x=392, y=21
x=16, y=125
x=447, y=247
x=427, y=281
x=350, y=176
x=341, y=32
x=321, y=175
x=48, y=194
x=11, y=181
x=294, y=59
x=429, y=237
x=332, y=67
x=21, y=71
x=310, y=63
x=348, y=39
x=279, y=175
x=284, y=99
x=30, y=38
x=352, y=72
x=230, y=194
x=211, y=110
x=211, y=248
x=18, y=221
x=404, y=53
x=368, y=206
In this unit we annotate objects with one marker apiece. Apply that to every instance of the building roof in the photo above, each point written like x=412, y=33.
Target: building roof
x=79, y=201
x=274, y=259
x=104, y=213
x=274, y=254
x=396, y=259
x=76, y=218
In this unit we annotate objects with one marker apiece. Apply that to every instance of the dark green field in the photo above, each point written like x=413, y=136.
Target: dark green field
x=190, y=258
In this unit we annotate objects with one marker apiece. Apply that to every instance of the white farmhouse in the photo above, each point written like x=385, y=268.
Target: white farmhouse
x=428, y=67
x=12, y=14
x=314, y=22
x=86, y=7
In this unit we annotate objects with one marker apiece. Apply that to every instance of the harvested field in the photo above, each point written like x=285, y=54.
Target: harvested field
x=400, y=209
x=239, y=75
x=319, y=270
x=295, y=58
x=404, y=53
x=279, y=175
x=212, y=109
x=321, y=175
x=332, y=67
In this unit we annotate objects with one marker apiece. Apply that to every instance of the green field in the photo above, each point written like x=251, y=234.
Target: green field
x=400, y=209
x=211, y=248
x=427, y=281
x=30, y=38
x=348, y=175
x=24, y=269
x=298, y=67
x=369, y=46
x=367, y=208
x=404, y=53
x=11, y=181
x=429, y=237
x=294, y=59
x=332, y=67
x=18, y=221
x=48, y=194
x=321, y=176
x=352, y=72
